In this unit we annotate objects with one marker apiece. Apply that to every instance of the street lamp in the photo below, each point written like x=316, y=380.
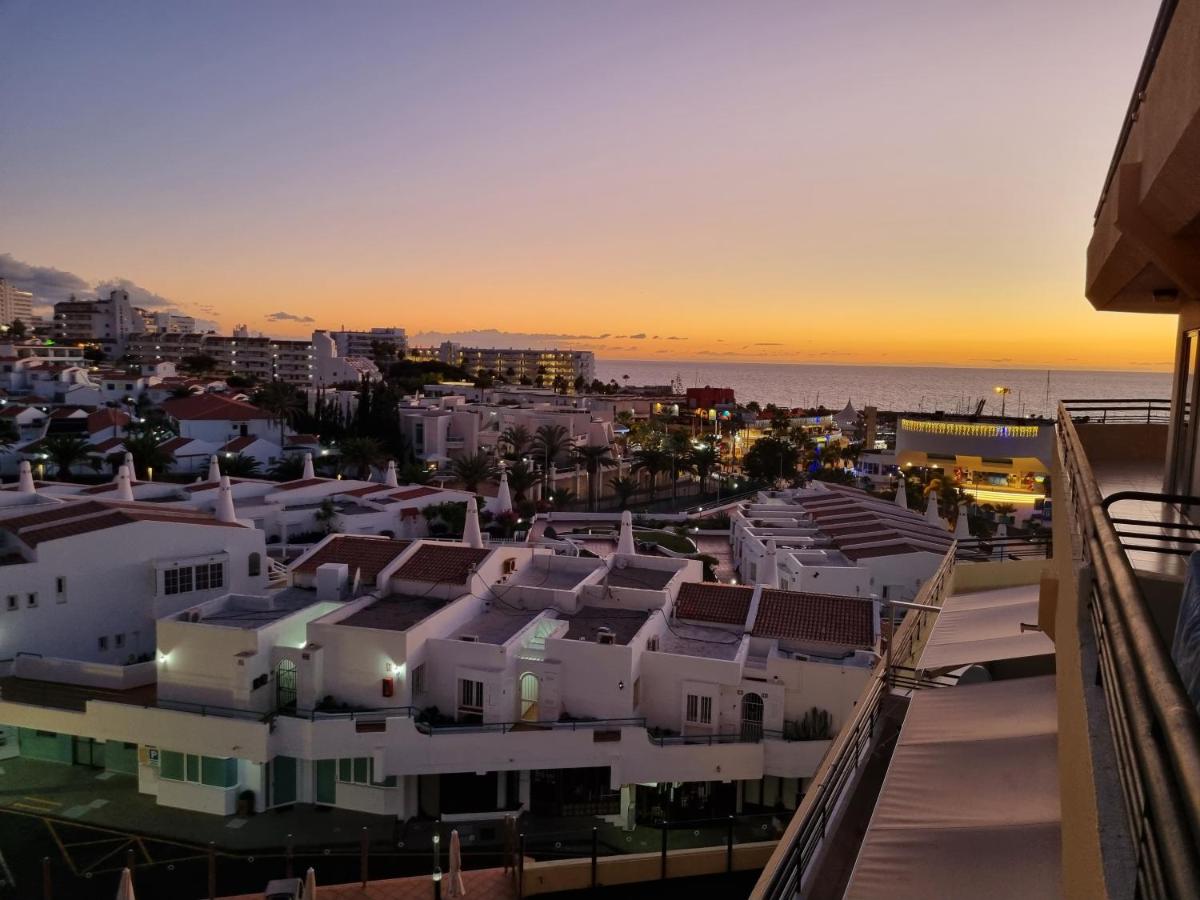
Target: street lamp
x=1003, y=392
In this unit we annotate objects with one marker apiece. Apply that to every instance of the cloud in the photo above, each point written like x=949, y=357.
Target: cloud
x=768, y=344
x=287, y=317
x=138, y=295
x=676, y=338
x=47, y=284
x=640, y=336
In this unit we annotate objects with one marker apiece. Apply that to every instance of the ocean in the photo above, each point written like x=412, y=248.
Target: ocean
x=908, y=388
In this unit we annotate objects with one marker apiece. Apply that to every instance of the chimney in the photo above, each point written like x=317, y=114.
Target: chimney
x=472, y=537
x=308, y=467
x=25, y=483
x=225, y=511
x=625, y=545
x=390, y=478
x=124, y=488
x=214, y=469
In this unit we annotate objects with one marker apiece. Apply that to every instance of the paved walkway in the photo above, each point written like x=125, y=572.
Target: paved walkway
x=485, y=884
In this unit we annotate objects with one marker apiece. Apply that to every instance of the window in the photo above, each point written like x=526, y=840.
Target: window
x=255, y=565
x=470, y=694
x=699, y=710
x=31, y=599
x=418, y=680
x=184, y=579
x=118, y=641
x=60, y=588
x=12, y=601
x=213, y=771
x=361, y=770
x=103, y=642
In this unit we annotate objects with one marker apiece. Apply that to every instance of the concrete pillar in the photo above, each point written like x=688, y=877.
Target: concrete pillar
x=628, y=806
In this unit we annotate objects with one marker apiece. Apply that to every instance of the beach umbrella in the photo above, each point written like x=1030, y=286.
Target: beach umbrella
x=901, y=493
x=504, y=495
x=457, y=888
x=931, y=510
x=125, y=891
x=130, y=466
x=390, y=478
x=310, y=884
x=962, y=527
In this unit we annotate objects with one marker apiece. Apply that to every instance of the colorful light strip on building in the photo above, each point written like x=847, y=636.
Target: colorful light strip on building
x=969, y=429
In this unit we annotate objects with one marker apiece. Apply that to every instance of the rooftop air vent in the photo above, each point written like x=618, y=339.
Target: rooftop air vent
x=469, y=638
x=605, y=635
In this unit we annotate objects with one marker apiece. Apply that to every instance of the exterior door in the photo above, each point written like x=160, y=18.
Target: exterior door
x=529, y=697
x=86, y=751
x=326, y=781
x=752, y=717
x=285, y=685
x=283, y=780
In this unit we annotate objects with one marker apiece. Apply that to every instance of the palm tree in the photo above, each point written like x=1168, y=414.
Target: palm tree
x=624, y=488
x=550, y=442
x=413, y=473
x=679, y=448
x=652, y=461
x=595, y=458
x=518, y=440
x=282, y=401
x=148, y=453
x=561, y=498
x=65, y=450
x=287, y=468
x=360, y=455
x=239, y=465
x=520, y=479
x=198, y=363
x=472, y=469
x=703, y=459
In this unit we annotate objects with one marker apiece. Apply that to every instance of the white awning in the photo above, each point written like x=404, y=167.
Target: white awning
x=971, y=798
x=985, y=627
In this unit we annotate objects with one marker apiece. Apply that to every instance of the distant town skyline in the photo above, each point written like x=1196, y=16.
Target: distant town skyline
x=869, y=183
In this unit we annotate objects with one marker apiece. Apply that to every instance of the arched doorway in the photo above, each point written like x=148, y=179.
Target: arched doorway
x=285, y=685
x=752, y=717
x=529, y=697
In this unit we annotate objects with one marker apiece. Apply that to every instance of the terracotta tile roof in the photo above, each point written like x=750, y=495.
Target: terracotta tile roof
x=822, y=618
x=175, y=444
x=414, y=493
x=238, y=444
x=367, y=554
x=70, y=519
x=892, y=548
x=108, y=444
x=368, y=489
x=301, y=483
x=726, y=604
x=69, y=412
x=106, y=418
x=212, y=406
x=442, y=563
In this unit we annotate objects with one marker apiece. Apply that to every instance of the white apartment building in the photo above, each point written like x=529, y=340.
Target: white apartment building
x=537, y=367
x=391, y=676
x=334, y=366
x=110, y=321
x=362, y=343
x=15, y=304
x=171, y=322
x=836, y=540
x=265, y=358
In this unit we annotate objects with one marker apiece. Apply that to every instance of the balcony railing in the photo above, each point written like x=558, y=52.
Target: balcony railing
x=1155, y=729
x=790, y=864
x=1139, y=411
x=1169, y=532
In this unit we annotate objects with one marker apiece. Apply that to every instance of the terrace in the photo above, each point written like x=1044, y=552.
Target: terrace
x=397, y=612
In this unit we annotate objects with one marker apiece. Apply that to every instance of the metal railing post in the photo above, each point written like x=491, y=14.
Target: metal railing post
x=363, y=856
x=212, y=870
x=47, y=880
x=729, y=845
x=663, y=856
x=291, y=868
x=521, y=866
x=595, y=852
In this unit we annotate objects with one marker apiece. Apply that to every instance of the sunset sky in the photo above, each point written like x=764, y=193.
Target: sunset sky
x=894, y=182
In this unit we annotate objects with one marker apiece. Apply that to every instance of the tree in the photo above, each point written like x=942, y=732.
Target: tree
x=579, y=384
x=624, y=488
x=653, y=461
x=703, y=459
x=17, y=329
x=282, y=401
x=360, y=455
x=771, y=458
x=327, y=516
x=521, y=478
x=65, y=451
x=560, y=498
x=8, y=434
x=517, y=440
x=287, y=468
x=239, y=465
x=595, y=459
x=679, y=448
x=413, y=473
x=550, y=442
x=148, y=452
x=198, y=363
x=473, y=468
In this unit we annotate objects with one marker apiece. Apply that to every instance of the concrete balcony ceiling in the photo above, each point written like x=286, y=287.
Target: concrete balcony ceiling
x=1144, y=255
